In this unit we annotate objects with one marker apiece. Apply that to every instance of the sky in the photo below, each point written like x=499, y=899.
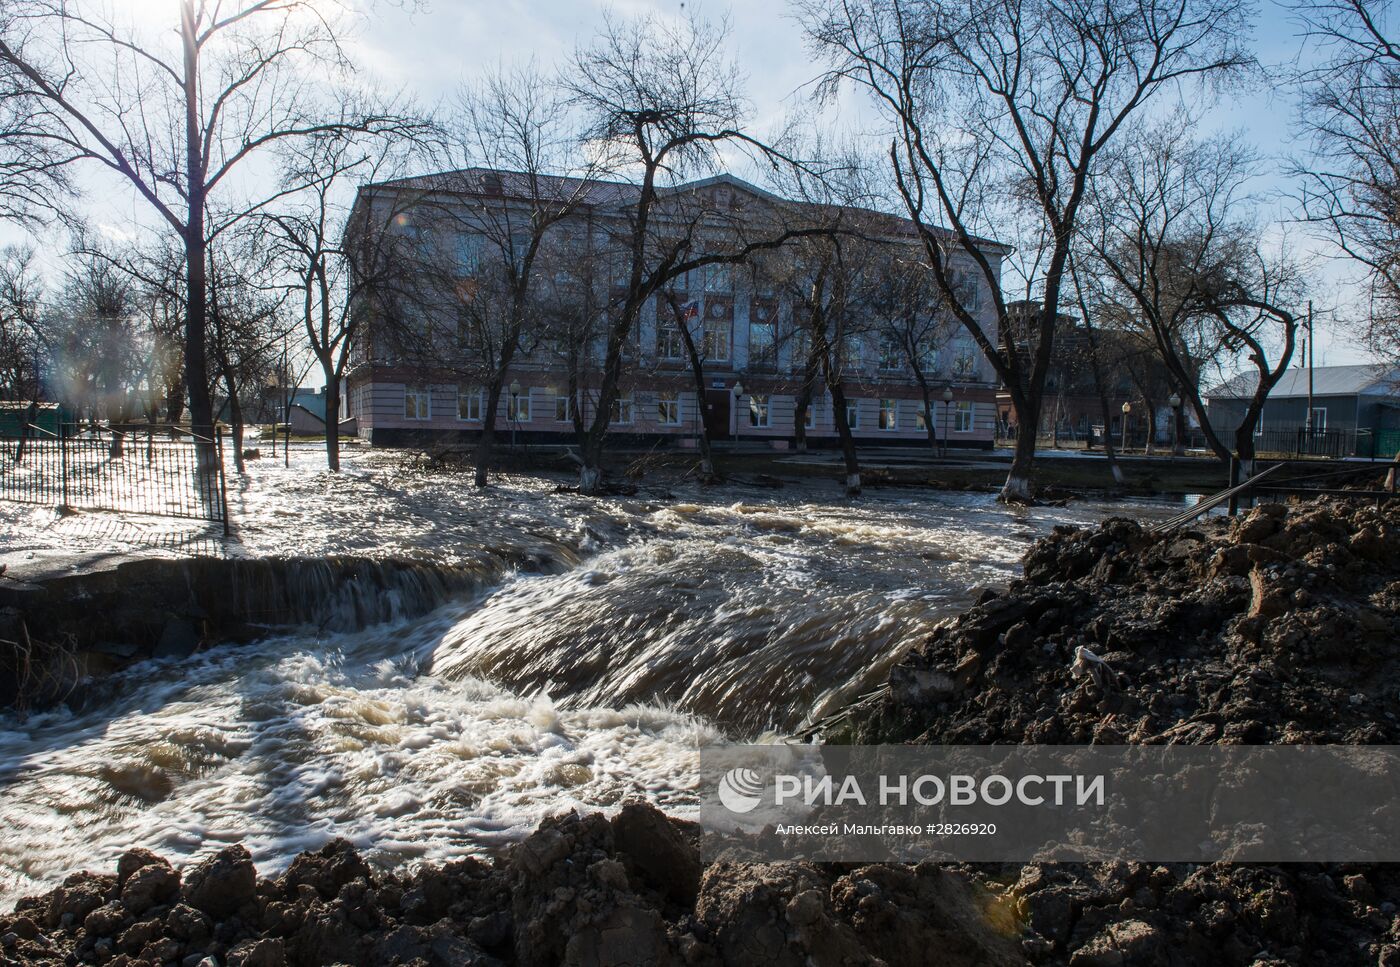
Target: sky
x=432, y=48
x=427, y=48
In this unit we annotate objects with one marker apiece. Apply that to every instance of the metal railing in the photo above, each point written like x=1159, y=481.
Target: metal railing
x=1298, y=441
x=159, y=470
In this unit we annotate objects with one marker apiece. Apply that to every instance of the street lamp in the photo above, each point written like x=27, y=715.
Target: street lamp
x=1175, y=402
x=514, y=410
x=738, y=420
x=1127, y=408
x=947, y=409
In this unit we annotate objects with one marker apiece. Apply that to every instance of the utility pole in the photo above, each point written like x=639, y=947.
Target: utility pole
x=1308, y=423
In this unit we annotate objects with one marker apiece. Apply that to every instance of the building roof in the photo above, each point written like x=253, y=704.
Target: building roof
x=312, y=401
x=494, y=182
x=1367, y=378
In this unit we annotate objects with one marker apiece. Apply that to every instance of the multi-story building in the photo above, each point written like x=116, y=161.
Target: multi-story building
x=743, y=319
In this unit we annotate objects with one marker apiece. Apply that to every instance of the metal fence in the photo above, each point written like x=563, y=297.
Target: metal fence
x=1299, y=441
x=160, y=470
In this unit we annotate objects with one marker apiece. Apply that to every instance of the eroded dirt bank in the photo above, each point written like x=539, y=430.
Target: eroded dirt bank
x=1278, y=627
x=588, y=891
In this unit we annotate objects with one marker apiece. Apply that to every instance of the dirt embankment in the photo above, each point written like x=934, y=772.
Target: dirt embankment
x=580, y=890
x=1278, y=627
x=1282, y=626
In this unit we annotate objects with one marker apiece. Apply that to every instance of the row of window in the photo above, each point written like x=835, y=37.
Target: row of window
x=716, y=346
x=471, y=407
x=960, y=419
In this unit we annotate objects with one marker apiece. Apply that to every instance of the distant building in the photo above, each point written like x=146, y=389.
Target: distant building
x=746, y=330
x=1072, y=410
x=307, y=413
x=1355, y=409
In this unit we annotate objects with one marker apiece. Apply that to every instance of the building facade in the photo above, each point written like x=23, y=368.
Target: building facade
x=1355, y=410
x=744, y=321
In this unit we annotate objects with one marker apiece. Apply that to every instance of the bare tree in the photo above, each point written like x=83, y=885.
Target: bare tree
x=247, y=324
x=826, y=286
x=515, y=126
x=96, y=344
x=1007, y=104
x=916, y=329
x=175, y=113
x=660, y=99
x=22, y=345
x=328, y=269
x=1175, y=251
x=1350, y=111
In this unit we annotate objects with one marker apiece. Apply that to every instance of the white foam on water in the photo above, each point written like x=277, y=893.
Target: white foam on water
x=287, y=743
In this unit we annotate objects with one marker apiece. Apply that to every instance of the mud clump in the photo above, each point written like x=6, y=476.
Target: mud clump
x=580, y=890
x=1276, y=627
x=1280, y=626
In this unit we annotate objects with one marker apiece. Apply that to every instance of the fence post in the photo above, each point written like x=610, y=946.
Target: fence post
x=63, y=465
x=223, y=483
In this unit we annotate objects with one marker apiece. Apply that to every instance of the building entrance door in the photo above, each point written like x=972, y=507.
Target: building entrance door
x=717, y=403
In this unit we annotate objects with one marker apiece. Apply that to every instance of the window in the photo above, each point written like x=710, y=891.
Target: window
x=717, y=340
x=470, y=403
x=853, y=414
x=417, y=402
x=564, y=408
x=965, y=365
x=469, y=250
x=621, y=410
x=518, y=409
x=891, y=354
x=668, y=409
x=889, y=414
x=965, y=287
x=851, y=352
x=762, y=345
x=921, y=419
x=928, y=359
x=1319, y=419
x=469, y=332
x=810, y=419
x=801, y=350
x=669, y=342
x=962, y=417
x=719, y=278
x=759, y=407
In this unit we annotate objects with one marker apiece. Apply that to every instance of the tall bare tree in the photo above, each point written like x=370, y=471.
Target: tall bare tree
x=515, y=128
x=1007, y=104
x=1350, y=183
x=660, y=98
x=22, y=345
x=304, y=233
x=175, y=113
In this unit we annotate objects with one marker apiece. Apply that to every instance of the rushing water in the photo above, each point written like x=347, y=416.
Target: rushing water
x=709, y=615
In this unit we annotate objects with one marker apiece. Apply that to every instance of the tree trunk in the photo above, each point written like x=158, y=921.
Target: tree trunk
x=235, y=416
x=697, y=373
x=487, y=442
x=1105, y=410
x=196, y=301
x=848, y=442
x=1179, y=432
x=332, y=421
x=929, y=426
x=1017, y=488
x=1244, y=448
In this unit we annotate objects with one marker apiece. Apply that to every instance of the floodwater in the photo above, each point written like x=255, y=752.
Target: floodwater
x=679, y=617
